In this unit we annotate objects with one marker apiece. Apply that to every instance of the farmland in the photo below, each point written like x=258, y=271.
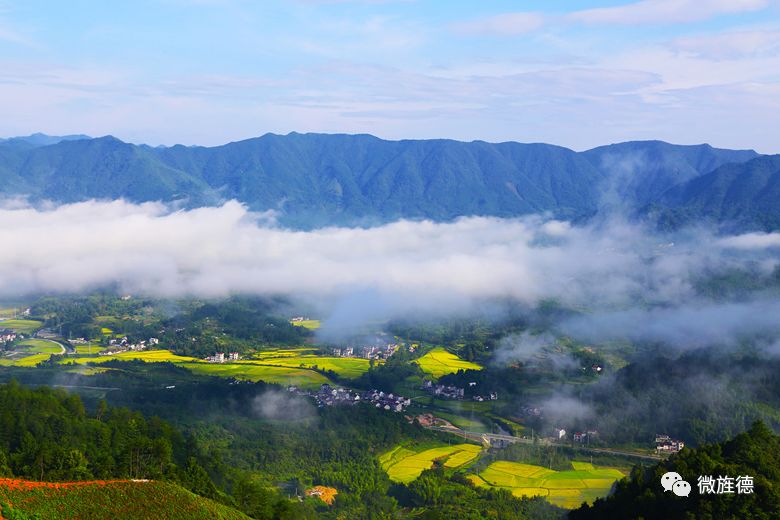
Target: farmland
x=583, y=483
x=89, y=349
x=39, y=346
x=23, y=361
x=153, y=356
x=307, y=324
x=438, y=362
x=22, y=326
x=404, y=465
x=248, y=370
x=350, y=368
x=271, y=374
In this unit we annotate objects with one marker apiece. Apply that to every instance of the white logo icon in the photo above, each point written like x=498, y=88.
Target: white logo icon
x=668, y=480
x=673, y=482
x=681, y=488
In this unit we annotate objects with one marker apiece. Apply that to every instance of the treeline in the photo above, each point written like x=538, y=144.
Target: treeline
x=755, y=453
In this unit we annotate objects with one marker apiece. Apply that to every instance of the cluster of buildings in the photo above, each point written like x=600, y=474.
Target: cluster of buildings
x=331, y=396
x=454, y=392
x=368, y=352
x=6, y=336
x=117, y=345
x=219, y=357
x=586, y=436
x=665, y=444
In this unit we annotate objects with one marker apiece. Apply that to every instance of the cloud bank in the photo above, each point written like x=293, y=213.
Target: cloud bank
x=156, y=250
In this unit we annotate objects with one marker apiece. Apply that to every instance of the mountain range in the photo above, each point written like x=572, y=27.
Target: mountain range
x=313, y=180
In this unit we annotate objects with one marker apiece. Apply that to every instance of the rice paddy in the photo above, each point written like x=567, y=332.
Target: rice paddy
x=438, y=362
x=405, y=465
x=583, y=483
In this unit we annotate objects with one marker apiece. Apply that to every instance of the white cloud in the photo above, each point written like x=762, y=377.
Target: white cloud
x=216, y=251
x=665, y=11
x=750, y=241
x=732, y=45
x=509, y=24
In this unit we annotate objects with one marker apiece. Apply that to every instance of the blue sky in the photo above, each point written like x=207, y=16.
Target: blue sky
x=573, y=73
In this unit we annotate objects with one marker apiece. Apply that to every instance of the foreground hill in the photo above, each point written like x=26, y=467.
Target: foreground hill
x=107, y=500
x=312, y=180
x=755, y=453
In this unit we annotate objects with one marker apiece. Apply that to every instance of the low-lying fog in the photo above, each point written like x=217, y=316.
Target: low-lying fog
x=629, y=279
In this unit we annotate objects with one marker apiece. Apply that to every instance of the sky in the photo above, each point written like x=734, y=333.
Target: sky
x=573, y=73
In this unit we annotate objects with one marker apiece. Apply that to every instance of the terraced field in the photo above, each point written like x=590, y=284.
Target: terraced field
x=405, y=465
x=583, y=483
x=439, y=362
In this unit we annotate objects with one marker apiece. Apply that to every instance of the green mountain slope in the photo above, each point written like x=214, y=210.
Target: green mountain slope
x=640, y=171
x=745, y=195
x=312, y=180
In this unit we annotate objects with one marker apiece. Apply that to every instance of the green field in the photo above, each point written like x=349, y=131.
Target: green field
x=405, y=465
x=39, y=346
x=350, y=368
x=7, y=312
x=583, y=483
x=284, y=352
x=22, y=326
x=89, y=349
x=271, y=374
x=309, y=324
x=438, y=362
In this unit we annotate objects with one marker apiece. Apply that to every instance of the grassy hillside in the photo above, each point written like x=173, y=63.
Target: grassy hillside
x=109, y=499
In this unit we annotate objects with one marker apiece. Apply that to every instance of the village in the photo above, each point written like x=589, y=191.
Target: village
x=454, y=392
x=123, y=344
x=367, y=352
x=328, y=395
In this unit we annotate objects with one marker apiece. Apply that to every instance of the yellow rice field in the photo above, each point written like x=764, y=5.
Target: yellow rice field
x=404, y=465
x=583, y=483
x=438, y=362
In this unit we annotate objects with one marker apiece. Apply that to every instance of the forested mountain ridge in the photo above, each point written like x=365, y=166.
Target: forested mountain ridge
x=312, y=180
